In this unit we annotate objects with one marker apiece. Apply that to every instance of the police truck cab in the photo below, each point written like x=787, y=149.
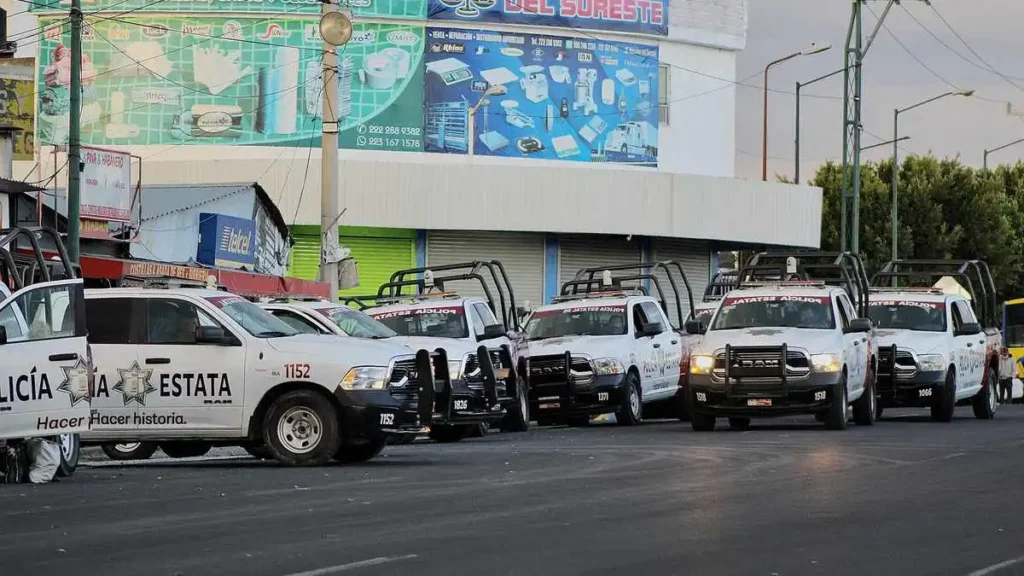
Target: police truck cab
x=190, y=368
x=784, y=345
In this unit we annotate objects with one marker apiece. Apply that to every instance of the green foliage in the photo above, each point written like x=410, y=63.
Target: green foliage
x=946, y=210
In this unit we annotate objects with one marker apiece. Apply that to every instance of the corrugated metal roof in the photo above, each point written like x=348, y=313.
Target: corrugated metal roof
x=161, y=200
x=16, y=187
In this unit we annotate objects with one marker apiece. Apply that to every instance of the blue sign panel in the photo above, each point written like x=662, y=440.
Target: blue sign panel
x=226, y=241
x=636, y=16
x=527, y=96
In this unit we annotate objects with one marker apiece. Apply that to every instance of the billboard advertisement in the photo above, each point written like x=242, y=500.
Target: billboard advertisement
x=231, y=81
x=523, y=95
x=226, y=241
x=106, y=185
x=360, y=8
x=635, y=16
x=17, y=107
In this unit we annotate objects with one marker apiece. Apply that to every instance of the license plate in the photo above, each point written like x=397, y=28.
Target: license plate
x=461, y=404
x=759, y=402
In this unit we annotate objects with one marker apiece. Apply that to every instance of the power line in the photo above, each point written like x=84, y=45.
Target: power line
x=989, y=67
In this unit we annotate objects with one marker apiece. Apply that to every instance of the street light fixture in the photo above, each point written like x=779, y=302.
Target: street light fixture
x=984, y=161
x=895, y=158
x=812, y=49
x=796, y=140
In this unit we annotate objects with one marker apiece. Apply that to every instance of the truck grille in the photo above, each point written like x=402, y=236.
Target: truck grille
x=905, y=367
x=402, y=382
x=473, y=377
x=551, y=370
x=762, y=363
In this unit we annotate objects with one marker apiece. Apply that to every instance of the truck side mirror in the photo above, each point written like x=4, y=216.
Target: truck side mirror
x=211, y=335
x=858, y=325
x=695, y=327
x=969, y=329
x=492, y=331
x=649, y=329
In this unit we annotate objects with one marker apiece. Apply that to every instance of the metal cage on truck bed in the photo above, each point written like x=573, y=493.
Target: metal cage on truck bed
x=975, y=275
x=843, y=269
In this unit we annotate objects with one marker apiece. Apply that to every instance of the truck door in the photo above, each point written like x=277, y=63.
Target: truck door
x=970, y=363
x=115, y=360
x=644, y=347
x=853, y=348
x=190, y=386
x=665, y=353
x=44, y=390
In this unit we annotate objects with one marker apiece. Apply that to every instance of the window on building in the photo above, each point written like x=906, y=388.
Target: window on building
x=664, y=79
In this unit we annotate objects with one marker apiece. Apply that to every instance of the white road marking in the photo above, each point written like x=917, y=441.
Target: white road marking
x=997, y=567
x=353, y=565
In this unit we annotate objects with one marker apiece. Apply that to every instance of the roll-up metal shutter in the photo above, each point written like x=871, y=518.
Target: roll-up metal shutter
x=522, y=255
x=376, y=258
x=695, y=257
x=578, y=251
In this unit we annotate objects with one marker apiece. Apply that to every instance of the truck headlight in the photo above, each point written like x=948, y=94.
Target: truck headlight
x=608, y=367
x=701, y=364
x=826, y=363
x=455, y=369
x=364, y=378
x=931, y=362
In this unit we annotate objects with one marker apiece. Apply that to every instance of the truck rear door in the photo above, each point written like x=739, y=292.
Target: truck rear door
x=45, y=388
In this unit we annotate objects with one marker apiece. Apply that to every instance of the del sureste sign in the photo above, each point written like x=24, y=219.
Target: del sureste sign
x=226, y=241
x=106, y=185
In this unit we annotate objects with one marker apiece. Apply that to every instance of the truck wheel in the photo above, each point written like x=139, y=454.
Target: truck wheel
x=739, y=423
x=683, y=405
x=985, y=401
x=631, y=411
x=943, y=406
x=447, y=434
x=699, y=422
x=185, y=449
x=301, y=429
x=835, y=416
x=878, y=411
x=865, y=406
x=625, y=149
x=129, y=450
x=70, y=449
x=353, y=453
x=518, y=418
x=259, y=452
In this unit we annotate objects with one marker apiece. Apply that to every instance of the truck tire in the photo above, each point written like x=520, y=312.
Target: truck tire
x=259, y=452
x=129, y=450
x=354, y=453
x=865, y=407
x=945, y=404
x=518, y=417
x=631, y=411
x=70, y=450
x=700, y=422
x=835, y=416
x=683, y=405
x=301, y=429
x=737, y=423
x=986, y=400
x=185, y=449
x=448, y=434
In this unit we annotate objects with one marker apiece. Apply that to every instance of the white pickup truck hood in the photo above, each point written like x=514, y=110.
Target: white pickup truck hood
x=913, y=340
x=341, y=349
x=456, y=348
x=593, y=346
x=814, y=341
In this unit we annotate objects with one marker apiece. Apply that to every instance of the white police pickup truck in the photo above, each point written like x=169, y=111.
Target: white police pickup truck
x=932, y=353
x=781, y=349
x=192, y=368
x=601, y=353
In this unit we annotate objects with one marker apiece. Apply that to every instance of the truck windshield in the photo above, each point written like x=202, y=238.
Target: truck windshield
x=577, y=321
x=356, y=324
x=252, y=318
x=704, y=315
x=446, y=322
x=808, y=312
x=907, y=315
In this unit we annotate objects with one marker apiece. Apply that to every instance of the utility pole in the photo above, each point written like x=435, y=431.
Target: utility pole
x=856, y=50
x=74, y=133
x=336, y=30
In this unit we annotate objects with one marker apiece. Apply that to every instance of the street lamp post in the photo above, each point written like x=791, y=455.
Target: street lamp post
x=812, y=49
x=895, y=159
x=796, y=141
x=984, y=159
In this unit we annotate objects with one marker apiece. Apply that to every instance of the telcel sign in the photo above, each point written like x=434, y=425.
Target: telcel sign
x=226, y=241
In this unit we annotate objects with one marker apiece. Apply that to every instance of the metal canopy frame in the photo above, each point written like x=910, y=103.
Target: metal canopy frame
x=843, y=269
x=648, y=269
x=19, y=269
x=976, y=276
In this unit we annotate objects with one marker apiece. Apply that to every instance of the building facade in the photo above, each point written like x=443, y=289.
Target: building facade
x=548, y=134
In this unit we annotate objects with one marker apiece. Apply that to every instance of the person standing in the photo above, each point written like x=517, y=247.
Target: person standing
x=1007, y=371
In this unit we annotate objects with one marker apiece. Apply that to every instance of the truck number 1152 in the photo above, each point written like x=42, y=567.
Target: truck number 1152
x=296, y=370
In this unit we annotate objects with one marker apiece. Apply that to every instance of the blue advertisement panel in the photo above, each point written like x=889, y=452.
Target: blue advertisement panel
x=527, y=96
x=226, y=241
x=637, y=16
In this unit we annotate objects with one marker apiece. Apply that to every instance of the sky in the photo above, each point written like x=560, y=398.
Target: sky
x=951, y=127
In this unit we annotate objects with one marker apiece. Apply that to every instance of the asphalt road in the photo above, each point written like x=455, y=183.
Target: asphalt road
x=904, y=497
